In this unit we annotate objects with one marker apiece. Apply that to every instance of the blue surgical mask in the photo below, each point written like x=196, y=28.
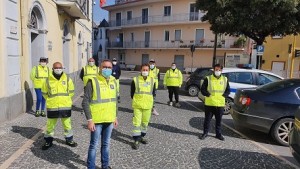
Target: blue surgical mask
x=106, y=72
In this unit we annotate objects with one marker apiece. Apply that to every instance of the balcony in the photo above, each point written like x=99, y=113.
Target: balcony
x=123, y=1
x=159, y=19
x=79, y=9
x=156, y=44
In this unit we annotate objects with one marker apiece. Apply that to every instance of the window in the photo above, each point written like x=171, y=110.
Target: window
x=298, y=92
x=240, y=77
x=132, y=37
x=167, y=35
x=118, y=19
x=167, y=11
x=177, y=35
x=266, y=78
x=129, y=15
x=279, y=85
x=244, y=77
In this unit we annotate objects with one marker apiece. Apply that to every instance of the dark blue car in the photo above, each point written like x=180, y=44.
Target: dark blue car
x=269, y=108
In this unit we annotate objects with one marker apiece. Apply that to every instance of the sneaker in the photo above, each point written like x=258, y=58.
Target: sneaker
x=177, y=105
x=43, y=114
x=144, y=141
x=47, y=145
x=71, y=143
x=154, y=112
x=136, y=145
x=37, y=113
x=170, y=103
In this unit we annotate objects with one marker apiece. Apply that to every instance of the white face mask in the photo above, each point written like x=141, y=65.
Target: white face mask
x=43, y=63
x=151, y=66
x=58, y=71
x=145, y=73
x=173, y=67
x=91, y=63
x=114, y=62
x=218, y=73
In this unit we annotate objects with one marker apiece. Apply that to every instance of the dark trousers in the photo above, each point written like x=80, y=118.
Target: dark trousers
x=209, y=112
x=175, y=90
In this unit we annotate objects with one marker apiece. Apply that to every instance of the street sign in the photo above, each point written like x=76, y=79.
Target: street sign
x=297, y=53
x=260, y=49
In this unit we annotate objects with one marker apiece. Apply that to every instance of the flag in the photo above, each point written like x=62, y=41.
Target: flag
x=102, y=2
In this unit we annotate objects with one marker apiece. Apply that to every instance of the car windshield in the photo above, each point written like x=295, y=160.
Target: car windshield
x=275, y=86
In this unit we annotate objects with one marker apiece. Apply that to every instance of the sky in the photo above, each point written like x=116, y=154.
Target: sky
x=100, y=14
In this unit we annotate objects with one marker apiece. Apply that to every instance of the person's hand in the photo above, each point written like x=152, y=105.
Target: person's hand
x=116, y=123
x=91, y=126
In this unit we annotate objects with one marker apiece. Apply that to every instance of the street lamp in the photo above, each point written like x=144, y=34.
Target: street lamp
x=192, y=50
x=215, y=50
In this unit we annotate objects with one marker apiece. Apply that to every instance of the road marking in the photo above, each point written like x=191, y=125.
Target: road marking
x=252, y=141
x=27, y=144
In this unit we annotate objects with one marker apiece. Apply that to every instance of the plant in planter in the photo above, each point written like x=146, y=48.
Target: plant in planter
x=240, y=42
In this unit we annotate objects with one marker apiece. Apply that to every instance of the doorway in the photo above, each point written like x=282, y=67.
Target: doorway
x=179, y=61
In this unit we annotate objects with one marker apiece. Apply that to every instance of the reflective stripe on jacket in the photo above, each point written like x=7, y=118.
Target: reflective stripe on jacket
x=216, y=88
x=173, y=78
x=154, y=73
x=58, y=93
x=89, y=71
x=38, y=75
x=104, y=99
x=143, y=96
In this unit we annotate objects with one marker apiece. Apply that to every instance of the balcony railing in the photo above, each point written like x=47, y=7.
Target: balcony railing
x=204, y=43
x=122, y=1
x=157, y=19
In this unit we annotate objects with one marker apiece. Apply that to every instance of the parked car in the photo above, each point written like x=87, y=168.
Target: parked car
x=294, y=137
x=238, y=78
x=269, y=108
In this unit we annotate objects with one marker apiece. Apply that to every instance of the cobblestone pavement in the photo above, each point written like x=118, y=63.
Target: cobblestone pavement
x=173, y=141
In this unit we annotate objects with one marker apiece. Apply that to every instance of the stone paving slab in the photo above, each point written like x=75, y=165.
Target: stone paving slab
x=173, y=142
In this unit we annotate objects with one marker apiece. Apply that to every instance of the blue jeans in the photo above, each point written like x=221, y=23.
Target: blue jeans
x=103, y=131
x=39, y=100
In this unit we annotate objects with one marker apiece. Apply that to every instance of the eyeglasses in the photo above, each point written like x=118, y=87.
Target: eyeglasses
x=58, y=68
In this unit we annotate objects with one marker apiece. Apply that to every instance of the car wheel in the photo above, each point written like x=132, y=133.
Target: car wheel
x=193, y=90
x=281, y=130
x=227, y=107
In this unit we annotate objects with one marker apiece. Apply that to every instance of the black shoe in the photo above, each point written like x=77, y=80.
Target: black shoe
x=71, y=143
x=47, y=145
x=144, y=141
x=37, y=113
x=136, y=145
x=203, y=136
x=220, y=137
x=43, y=114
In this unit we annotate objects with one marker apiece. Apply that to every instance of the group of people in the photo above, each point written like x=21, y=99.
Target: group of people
x=102, y=93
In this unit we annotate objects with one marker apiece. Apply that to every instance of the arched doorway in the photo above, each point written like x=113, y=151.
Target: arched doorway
x=37, y=30
x=79, y=49
x=66, y=46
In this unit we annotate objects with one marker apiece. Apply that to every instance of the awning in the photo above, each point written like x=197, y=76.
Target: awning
x=73, y=8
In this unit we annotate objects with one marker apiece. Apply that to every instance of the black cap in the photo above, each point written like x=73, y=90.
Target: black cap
x=43, y=59
x=114, y=59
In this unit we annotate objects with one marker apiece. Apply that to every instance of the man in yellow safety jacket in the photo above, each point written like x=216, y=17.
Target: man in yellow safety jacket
x=90, y=70
x=142, y=93
x=173, y=81
x=154, y=72
x=100, y=107
x=38, y=76
x=58, y=91
x=215, y=88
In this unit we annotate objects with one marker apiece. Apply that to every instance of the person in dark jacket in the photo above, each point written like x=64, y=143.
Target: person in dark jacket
x=215, y=88
x=116, y=72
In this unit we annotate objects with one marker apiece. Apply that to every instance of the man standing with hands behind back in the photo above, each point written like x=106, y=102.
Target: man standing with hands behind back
x=100, y=107
x=215, y=88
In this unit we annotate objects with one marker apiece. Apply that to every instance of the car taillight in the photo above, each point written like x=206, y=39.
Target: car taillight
x=245, y=100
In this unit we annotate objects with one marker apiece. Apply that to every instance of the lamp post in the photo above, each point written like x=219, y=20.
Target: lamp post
x=192, y=50
x=215, y=50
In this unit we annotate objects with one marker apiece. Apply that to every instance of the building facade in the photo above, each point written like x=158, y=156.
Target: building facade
x=278, y=56
x=164, y=30
x=57, y=29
